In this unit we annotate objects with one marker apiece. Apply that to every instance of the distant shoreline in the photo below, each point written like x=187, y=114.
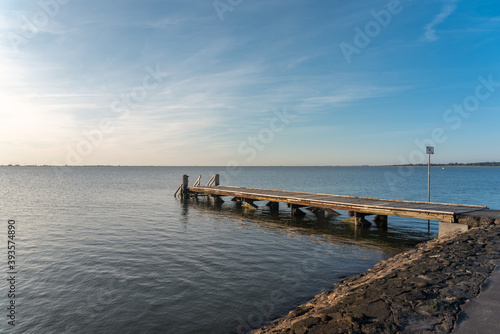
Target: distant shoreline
x=473, y=164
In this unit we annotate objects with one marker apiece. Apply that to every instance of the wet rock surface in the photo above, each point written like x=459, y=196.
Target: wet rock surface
x=480, y=218
x=418, y=291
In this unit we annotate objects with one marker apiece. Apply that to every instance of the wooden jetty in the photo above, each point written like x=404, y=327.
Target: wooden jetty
x=358, y=207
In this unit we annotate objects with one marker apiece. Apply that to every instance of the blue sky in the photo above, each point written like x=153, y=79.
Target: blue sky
x=245, y=82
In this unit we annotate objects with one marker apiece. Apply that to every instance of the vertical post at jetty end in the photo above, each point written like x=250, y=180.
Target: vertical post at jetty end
x=185, y=184
x=216, y=180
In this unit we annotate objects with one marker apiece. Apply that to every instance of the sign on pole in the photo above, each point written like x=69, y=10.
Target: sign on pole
x=429, y=150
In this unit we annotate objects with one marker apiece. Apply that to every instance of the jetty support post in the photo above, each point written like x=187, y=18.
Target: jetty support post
x=249, y=204
x=380, y=221
x=216, y=199
x=238, y=201
x=359, y=218
x=273, y=206
x=331, y=213
x=318, y=212
x=185, y=184
x=296, y=212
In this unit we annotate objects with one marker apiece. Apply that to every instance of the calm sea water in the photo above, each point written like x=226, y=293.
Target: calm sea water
x=110, y=250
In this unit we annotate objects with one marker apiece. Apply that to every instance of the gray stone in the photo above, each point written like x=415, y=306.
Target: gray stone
x=451, y=228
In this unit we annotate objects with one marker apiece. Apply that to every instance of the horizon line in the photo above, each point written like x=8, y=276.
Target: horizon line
x=451, y=164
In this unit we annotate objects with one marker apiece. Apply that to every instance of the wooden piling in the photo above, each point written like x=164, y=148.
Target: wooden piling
x=249, y=203
x=217, y=200
x=296, y=212
x=318, y=212
x=331, y=212
x=185, y=185
x=359, y=219
x=273, y=206
x=380, y=221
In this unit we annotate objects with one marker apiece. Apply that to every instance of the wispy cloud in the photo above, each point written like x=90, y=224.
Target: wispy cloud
x=348, y=96
x=295, y=62
x=430, y=29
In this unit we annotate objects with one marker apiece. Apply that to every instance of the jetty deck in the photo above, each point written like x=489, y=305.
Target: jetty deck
x=369, y=206
x=321, y=204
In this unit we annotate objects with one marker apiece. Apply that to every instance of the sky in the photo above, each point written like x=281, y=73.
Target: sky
x=241, y=83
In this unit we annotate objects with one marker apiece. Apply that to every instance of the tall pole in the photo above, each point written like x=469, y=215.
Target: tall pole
x=429, y=150
x=429, y=190
x=429, y=179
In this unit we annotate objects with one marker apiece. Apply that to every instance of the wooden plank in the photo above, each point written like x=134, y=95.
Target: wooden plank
x=271, y=191
x=424, y=210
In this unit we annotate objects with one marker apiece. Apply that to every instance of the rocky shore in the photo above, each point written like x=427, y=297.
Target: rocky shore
x=419, y=291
